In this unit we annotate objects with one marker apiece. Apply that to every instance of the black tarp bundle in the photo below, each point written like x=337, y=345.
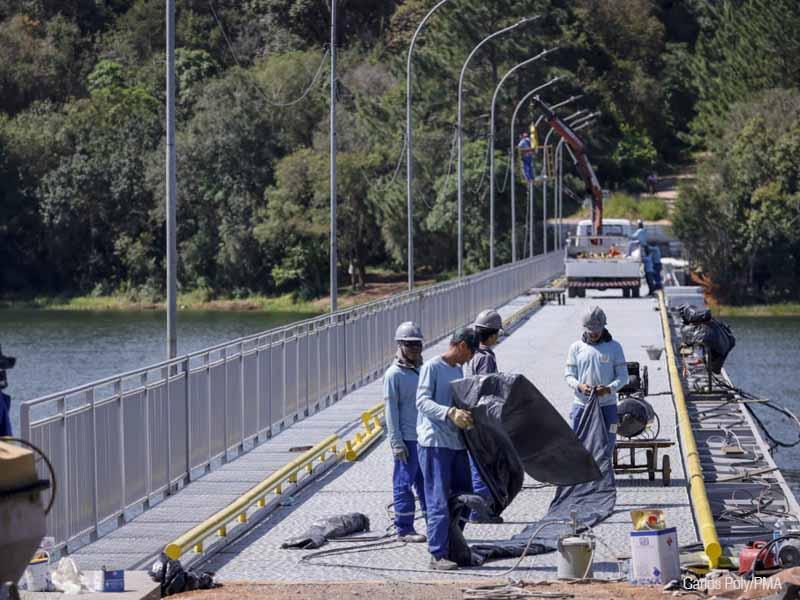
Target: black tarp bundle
x=701, y=329
x=517, y=429
x=174, y=579
x=328, y=528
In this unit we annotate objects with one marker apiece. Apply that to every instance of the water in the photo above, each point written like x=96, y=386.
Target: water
x=57, y=350
x=62, y=349
x=766, y=363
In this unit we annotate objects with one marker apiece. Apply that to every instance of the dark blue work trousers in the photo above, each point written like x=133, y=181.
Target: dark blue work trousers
x=478, y=485
x=527, y=168
x=406, y=480
x=446, y=473
x=610, y=416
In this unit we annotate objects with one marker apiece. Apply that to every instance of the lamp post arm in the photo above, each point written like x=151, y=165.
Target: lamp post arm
x=410, y=144
x=460, y=136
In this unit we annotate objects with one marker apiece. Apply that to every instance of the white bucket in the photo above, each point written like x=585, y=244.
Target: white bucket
x=575, y=557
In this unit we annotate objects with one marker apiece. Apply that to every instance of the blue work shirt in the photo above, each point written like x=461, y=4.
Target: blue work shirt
x=640, y=235
x=655, y=254
x=647, y=261
x=596, y=364
x=434, y=399
x=483, y=362
x=400, y=395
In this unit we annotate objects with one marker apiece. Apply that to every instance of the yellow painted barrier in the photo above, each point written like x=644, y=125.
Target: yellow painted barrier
x=373, y=430
x=697, y=485
x=256, y=495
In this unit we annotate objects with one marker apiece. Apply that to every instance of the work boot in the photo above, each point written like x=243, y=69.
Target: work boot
x=412, y=538
x=442, y=564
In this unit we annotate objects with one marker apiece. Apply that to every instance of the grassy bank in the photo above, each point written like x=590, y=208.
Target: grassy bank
x=788, y=309
x=379, y=284
x=191, y=302
x=623, y=206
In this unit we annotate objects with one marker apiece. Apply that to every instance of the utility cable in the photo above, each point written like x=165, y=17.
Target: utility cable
x=257, y=86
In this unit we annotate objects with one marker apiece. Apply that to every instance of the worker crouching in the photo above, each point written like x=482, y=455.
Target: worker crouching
x=400, y=396
x=596, y=365
x=442, y=454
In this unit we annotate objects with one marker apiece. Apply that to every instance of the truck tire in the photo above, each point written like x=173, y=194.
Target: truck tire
x=626, y=292
x=581, y=292
x=635, y=292
x=571, y=292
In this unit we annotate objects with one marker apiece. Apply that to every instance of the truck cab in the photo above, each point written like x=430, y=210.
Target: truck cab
x=601, y=262
x=611, y=228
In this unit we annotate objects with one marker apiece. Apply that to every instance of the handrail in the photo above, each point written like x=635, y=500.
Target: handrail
x=256, y=495
x=697, y=487
x=344, y=313
x=372, y=428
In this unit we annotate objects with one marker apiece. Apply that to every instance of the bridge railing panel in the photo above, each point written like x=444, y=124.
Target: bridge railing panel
x=120, y=444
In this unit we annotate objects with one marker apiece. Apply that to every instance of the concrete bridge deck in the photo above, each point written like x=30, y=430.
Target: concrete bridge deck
x=538, y=350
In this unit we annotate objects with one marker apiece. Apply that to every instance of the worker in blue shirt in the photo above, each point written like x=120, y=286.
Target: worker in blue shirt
x=442, y=453
x=526, y=155
x=655, y=255
x=488, y=325
x=400, y=396
x=649, y=269
x=596, y=364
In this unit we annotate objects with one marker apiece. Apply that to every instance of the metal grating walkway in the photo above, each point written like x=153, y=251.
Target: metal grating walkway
x=537, y=349
x=134, y=544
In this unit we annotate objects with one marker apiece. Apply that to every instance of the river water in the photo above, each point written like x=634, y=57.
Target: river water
x=57, y=350
x=766, y=363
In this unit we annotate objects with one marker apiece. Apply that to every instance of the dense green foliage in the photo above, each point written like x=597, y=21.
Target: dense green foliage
x=739, y=220
x=82, y=128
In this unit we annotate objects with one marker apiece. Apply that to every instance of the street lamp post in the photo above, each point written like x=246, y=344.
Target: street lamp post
x=334, y=283
x=172, y=263
x=546, y=175
x=460, y=134
x=410, y=145
x=511, y=154
x=508, y=74
x=513, y=146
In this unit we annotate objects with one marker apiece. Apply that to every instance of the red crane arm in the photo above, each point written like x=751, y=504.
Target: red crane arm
x=584, y=166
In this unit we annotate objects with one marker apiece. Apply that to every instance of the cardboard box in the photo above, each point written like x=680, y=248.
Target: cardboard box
x=109, y=581
x=654, y=556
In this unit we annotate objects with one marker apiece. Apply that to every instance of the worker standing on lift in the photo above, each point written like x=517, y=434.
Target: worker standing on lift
x=526, y=156
x=488, y=326
x=442, y=454
x=400, y=396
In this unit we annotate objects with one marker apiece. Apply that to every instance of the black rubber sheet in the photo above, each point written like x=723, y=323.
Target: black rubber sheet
x=517, y=429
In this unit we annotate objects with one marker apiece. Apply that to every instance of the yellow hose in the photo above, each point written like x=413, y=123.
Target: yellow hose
x=697, y=485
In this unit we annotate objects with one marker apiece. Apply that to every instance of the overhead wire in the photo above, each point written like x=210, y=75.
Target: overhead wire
x=271, y=102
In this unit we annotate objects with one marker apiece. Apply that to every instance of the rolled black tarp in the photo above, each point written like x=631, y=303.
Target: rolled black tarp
x=700, y=328
x=517, y=429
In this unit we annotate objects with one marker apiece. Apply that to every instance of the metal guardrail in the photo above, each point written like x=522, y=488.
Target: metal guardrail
x=697, y=485
x=373, y=429
x=124, y=442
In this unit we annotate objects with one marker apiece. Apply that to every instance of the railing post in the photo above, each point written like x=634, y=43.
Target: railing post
x=186, y=392
x=121, y=424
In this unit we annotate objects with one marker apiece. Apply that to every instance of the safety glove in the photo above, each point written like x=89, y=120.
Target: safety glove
x=400, y=452
x=461, y=418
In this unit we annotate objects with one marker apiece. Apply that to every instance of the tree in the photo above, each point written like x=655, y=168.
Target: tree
x=739, y=221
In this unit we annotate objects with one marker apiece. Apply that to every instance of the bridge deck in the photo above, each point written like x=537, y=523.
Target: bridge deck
x=134, y=544
x=538, y=350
